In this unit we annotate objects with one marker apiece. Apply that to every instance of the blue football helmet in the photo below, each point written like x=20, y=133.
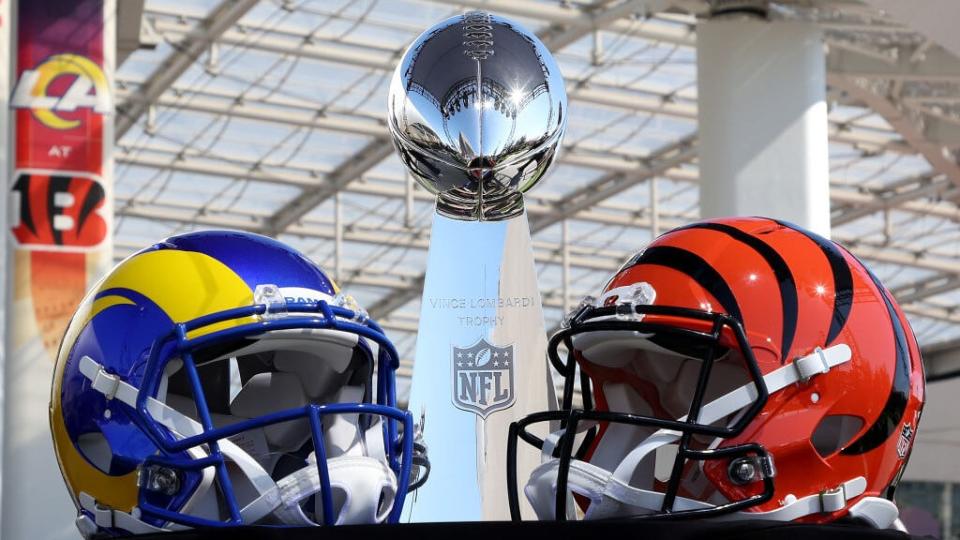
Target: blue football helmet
x=221, y=378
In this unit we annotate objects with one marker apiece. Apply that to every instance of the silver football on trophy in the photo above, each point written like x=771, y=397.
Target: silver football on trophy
x=477, y=111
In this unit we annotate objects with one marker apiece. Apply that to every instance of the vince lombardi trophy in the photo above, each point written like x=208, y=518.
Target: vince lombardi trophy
x=477, y=110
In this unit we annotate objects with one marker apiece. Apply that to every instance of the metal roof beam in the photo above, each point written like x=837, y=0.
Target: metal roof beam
x=583, y=155
x=608, y=212
x=378, y=149
x=937, y=65
x=876, y=96
x=925, y=288
x=900, y=256
x=594, y=19
x=394, y=235
x=154, y=156
x=374, y=57
x=558, y=16
x=352, y=168
x=944, y=130
x=545, y=252
x=664, y=159
x=593, y=91
x=317, y=119
x=848, y=203
x=569, y=16
x=930, y=311
x=942, y=360
x=417, y=238
x=927, y=187
x=181, y=57
x=231, y=104
x=549, y=253
x=566, y=25
x=852, y=200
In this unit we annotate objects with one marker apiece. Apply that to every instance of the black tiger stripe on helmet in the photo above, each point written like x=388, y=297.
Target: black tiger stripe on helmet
x=697, y=269
x=842, y=280
x=892, y=413
x=785, y=281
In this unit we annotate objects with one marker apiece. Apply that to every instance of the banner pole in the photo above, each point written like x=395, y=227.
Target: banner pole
x=7, y=55
x=58, y=229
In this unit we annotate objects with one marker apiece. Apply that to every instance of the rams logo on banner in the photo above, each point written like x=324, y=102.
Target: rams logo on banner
x=58, y=210
x=483, y=378
x=48, y=91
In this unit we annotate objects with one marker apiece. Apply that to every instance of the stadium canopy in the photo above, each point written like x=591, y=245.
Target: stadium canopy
x=268, y=116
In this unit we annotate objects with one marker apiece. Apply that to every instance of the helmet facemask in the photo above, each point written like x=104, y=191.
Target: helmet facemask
x=641, y=376
x=281, y=421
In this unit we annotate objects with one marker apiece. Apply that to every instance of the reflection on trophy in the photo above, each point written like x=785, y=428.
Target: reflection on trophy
x=477, y=112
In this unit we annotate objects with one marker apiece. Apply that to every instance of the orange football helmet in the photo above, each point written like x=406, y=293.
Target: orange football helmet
x=739, y=368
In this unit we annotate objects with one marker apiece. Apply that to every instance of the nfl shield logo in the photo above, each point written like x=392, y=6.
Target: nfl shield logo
x=906, y=436
x=483, y=378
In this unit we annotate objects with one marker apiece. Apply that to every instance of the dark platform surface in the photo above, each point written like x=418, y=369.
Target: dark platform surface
x=597, y=530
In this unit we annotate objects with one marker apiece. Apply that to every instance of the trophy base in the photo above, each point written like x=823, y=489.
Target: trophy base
x=480, y=364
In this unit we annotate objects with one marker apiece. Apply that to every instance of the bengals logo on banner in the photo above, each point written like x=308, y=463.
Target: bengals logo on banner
x=58, y=211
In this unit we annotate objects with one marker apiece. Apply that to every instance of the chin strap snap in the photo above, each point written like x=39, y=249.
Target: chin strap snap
x=813, y=364
x=826, y=502
x=108, y=518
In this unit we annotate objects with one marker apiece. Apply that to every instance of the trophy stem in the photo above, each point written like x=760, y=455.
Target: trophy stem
x=480, y=364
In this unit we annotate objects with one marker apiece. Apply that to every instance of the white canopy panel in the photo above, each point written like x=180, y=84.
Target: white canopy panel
x=268, y=116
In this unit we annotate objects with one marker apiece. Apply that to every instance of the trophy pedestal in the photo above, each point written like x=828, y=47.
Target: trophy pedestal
x=480, y=364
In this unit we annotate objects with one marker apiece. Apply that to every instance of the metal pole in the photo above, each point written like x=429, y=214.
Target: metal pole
x=887, y=227
x=6, y=61
x=654, y=209
x=946, y=509
x=408, y=200
x=565, y=265
x=212, y=65
x=337, y=238
x=596, y=56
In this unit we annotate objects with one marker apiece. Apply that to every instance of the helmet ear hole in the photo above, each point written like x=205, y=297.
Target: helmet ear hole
x=95, y=447
x=834, y=432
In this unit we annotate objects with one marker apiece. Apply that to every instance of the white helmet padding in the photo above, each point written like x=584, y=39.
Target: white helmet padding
x=298, y=351
x=265, y=393
x=284, y=370
x=619, y=439
x=672, y=373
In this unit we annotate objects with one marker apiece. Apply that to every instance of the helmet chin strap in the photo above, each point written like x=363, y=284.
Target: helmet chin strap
x=611, y=493
x=610, y=497
x=368, y=485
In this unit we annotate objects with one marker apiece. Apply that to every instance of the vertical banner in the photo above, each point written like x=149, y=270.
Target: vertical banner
x=59, y=233
x=6, y=60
